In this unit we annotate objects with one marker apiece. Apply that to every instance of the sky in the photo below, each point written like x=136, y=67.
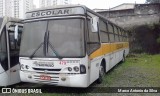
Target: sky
x=100, y=4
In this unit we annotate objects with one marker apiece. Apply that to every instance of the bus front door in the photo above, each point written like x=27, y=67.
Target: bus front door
x=13, y=50
x=4, y=73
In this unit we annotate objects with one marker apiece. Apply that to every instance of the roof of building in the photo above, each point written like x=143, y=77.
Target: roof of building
x=97, y=10
x=124, y=6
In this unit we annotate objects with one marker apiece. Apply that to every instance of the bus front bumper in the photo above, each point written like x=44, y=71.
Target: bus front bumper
x=68, y=80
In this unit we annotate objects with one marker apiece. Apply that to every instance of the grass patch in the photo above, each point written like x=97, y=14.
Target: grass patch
x=139, y=70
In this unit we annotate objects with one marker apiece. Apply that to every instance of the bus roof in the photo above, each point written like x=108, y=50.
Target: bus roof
x=56, y=7
x=60, y=10
x=53, y=12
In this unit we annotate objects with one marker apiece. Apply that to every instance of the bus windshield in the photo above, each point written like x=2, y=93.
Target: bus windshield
x=65, y=38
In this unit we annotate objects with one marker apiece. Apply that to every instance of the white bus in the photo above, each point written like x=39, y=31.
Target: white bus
x=10, y=35
x=69, y=46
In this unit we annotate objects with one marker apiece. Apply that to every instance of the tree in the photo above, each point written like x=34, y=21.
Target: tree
x=152, y=1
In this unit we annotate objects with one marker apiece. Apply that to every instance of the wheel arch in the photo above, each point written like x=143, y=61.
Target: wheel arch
x=104, y=63
x=124, y=52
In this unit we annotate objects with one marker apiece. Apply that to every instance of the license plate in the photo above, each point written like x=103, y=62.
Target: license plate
x=43, y=77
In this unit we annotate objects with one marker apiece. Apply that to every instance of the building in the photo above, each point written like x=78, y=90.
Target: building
x=15, y=8
x=24, y=6
x=2, y=7
x=99, y=10
x=45, y=3
x=123, y=6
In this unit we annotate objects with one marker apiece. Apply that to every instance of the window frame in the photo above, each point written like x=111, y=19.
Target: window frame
x=88, y=29
x=103, y=31
x=111, y=33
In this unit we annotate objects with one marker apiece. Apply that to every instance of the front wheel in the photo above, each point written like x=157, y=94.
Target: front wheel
x=101, y=74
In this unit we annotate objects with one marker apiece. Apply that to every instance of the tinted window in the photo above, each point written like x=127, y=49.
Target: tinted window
x=111, y=33
x=93, y=40
x=3, y=50
x=103, y=32
x=65, y=37
x=116, y=34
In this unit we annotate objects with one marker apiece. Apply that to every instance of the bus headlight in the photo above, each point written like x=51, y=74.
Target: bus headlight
x=76, y=68
x=27, y=67
x=82, y=69
x=69, y=69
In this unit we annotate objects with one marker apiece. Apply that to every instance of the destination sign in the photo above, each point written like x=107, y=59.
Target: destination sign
x=55, y=12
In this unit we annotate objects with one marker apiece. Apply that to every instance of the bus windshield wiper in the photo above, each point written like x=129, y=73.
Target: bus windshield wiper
x=31, y=56
x=45, y=46
x=50, y=45
x=53, y=49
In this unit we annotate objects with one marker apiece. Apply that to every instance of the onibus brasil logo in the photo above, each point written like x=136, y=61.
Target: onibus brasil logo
x=15, y=90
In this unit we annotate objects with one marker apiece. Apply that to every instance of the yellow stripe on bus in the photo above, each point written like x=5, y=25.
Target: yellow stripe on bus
x=108, y=48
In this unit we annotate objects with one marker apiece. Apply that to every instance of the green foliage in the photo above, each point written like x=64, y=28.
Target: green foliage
x=145, y=39
x=137, y=50
x=158, y=40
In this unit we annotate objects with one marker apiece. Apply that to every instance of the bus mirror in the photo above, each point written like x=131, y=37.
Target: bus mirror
x=16, y=32
x=94, y=24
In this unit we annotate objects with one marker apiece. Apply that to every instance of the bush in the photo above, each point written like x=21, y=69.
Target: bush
x=146, y=39
x=158, y=40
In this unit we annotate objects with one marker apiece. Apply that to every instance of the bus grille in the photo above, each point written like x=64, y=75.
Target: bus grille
x=42, y=69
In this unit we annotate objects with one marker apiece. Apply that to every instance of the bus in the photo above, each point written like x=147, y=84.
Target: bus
x=69, y=45
x=10, y=36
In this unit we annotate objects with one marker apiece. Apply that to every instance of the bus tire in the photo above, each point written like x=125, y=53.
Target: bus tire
x=101, y=74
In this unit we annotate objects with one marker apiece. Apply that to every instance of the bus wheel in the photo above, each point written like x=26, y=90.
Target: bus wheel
x=101, y=74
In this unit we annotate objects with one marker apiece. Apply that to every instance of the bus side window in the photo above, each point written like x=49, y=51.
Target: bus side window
x=20, y=28
x=127, y=38
x=103, y=32
x=120, y=35
x=93, y=39
x=123, y=35
x=15, y=44
x=12, y=41
x=116, y=34
x=111, y=33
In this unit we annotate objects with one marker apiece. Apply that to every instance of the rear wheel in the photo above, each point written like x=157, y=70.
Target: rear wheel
x=101, y=74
